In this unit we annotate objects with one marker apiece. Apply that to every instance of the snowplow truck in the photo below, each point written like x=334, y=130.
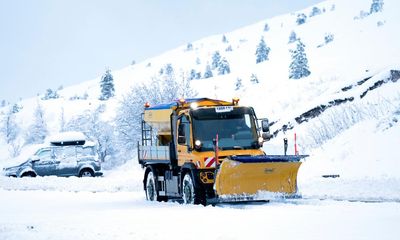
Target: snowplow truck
x=204, y=151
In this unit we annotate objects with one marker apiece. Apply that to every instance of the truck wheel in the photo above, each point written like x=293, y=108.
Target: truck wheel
x=151, y=190
x=190, y=194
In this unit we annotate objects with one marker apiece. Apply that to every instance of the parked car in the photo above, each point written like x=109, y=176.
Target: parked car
x=60, y=158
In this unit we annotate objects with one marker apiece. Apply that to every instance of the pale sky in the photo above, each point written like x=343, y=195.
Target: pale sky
x=49, y=43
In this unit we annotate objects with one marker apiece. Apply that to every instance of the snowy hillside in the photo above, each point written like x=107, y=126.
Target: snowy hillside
x=345, y=113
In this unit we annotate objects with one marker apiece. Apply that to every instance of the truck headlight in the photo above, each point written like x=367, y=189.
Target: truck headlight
x=197, y=144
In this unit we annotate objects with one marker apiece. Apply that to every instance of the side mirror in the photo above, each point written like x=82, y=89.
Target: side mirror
x=266, y=136
x=181, y=140
x=34, y=158
x=265, y=125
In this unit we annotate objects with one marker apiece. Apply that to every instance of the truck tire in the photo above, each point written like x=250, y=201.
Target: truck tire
x=151, y=190
x=191, y=194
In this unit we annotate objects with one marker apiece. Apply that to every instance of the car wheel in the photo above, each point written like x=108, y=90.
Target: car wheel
x=86, y=173
x=29, y=174
x=151, y=190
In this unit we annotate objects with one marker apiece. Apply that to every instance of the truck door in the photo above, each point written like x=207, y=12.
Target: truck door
x=184, y=140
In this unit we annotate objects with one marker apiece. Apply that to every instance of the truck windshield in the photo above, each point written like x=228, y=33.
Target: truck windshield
x=235, y=128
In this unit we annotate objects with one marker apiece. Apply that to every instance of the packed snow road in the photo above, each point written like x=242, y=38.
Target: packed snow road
x=114, y=207
x=42, y=214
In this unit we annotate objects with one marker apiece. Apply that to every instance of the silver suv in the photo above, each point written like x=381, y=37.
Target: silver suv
x=60, y=159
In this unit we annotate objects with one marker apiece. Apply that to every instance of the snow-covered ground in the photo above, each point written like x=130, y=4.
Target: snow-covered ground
x=114, y=207
x=126, y=215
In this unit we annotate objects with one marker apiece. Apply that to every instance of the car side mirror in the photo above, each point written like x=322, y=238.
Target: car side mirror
x=265, y=125
x=35, y=158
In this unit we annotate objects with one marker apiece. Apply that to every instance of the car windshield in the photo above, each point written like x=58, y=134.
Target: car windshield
x=235, y=128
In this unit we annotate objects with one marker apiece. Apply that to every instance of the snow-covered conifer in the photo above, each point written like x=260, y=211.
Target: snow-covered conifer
x=229, y=49
x=292, y=37
x=208, y=73
x=189, y=47
x=254, y=79
x=50, y=94
x=238, y=84
x=224, y=39
x=328, y=37
x=37, y=131
x=9, y=127
x=192, y=74
x=315, y=11
x=262, y=51
x=266, y=27
x=299, y=66
x=223, y=67
x=107, y=86
x=16, y=108
x=301, y=18
x=376, y=6
x=216, y=58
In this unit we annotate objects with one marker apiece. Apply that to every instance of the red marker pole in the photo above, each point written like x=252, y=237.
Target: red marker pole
x=216, y=150
x=295, y=145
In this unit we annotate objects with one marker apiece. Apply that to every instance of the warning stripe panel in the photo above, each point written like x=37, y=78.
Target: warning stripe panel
x=209, y=162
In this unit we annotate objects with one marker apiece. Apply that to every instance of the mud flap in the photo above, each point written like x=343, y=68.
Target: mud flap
x=250, y=175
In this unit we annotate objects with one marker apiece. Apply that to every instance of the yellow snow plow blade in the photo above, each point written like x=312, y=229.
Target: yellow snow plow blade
x=251, y=175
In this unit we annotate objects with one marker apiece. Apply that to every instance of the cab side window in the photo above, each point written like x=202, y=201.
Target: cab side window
x=184, y=131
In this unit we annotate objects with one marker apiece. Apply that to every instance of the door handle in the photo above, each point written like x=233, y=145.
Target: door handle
x=179, y=151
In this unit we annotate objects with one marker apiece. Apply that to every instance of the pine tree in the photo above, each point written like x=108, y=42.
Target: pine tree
x=208, y=73
x=328, y=37
x=299, y=66
x=301, y=18
x=16, y=108
x=192, y=74
x=238, y=84
x=50, y=94
x=9, y=127
x=262, y=51
x=169, y=82
x=37, y=131
x=216, y=58
x=292, y=37
x=189, y=47
x=254, y=79
x=107, y=86
x=223, y=67
x=376, y=6
x=62, y=120
x=224, y=39
x=266, y=27
x=229, y=49
x=315, y=11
